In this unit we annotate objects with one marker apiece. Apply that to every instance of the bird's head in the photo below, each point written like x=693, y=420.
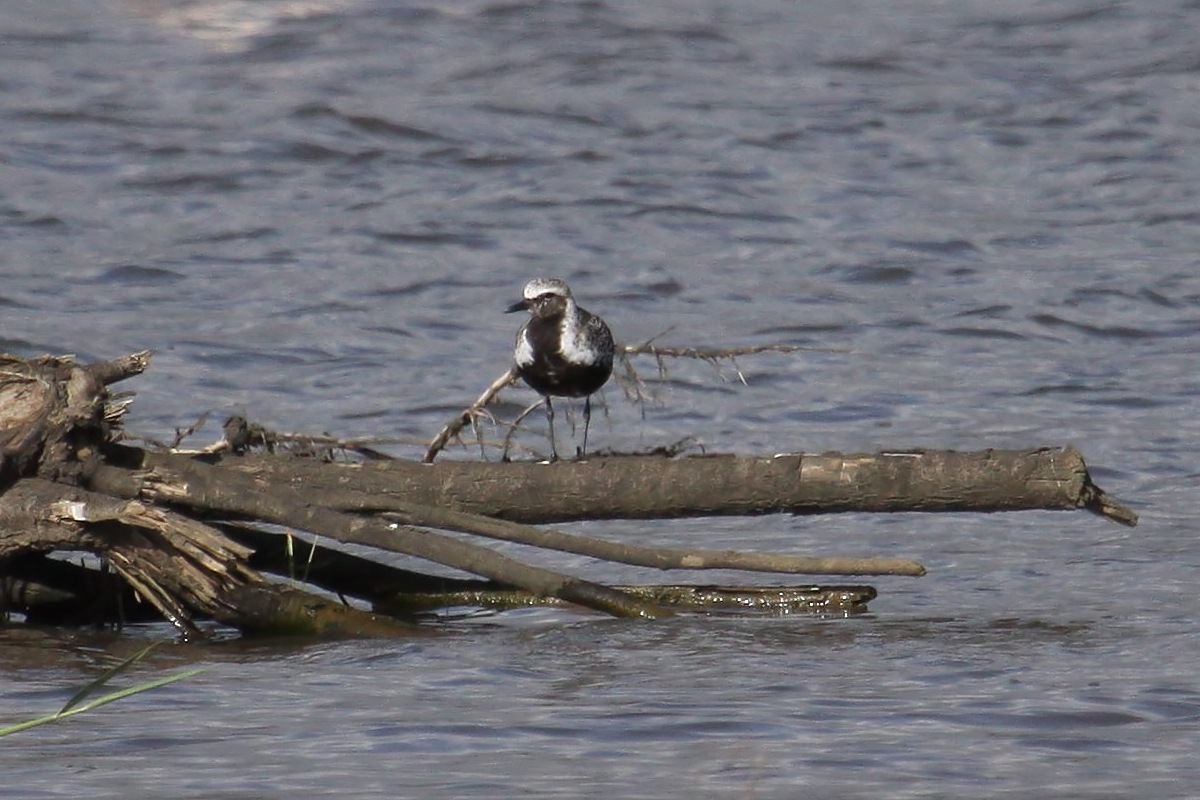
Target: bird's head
x=544, y=297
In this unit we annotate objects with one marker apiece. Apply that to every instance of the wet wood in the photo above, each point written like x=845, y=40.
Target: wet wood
x=774, y=599
x=180, y=566
x=184, y=533
x=66, y=591
x=404, y=592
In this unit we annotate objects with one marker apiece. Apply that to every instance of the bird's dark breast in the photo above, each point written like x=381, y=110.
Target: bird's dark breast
x=555, y=376
x=550, y=373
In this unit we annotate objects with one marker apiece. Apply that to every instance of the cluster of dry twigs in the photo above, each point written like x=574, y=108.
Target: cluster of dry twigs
x=628, y=377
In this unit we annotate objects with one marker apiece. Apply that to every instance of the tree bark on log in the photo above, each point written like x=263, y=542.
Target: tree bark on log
x=651, y=487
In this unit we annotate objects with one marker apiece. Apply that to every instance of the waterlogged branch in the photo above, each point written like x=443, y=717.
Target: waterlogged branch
x=175, y=563
x=773, y=599
x=403, y=591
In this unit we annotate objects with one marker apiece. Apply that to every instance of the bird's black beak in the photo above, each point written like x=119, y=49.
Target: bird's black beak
x=521, y=306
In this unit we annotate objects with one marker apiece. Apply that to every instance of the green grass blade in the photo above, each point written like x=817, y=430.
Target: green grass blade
x=74, y=709
x=32, y=723
x=105, y=677
x=132, y=690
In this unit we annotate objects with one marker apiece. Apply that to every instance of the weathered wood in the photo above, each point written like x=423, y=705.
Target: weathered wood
x=450, y=519
x=313, y=561
x=455, y=426
x=647, y=487
x=181, y=566
x=400, y=591
x=52, y=408
x=65, y=484
x=209, y=489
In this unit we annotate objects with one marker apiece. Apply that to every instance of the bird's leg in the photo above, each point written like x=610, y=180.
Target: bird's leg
x=550, y=417
x=587, y=418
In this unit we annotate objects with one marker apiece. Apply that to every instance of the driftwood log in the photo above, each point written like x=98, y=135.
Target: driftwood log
x=194, y=535
x=652, y=487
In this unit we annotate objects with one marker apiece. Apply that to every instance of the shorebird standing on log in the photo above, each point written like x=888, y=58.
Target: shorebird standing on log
x=562, y=350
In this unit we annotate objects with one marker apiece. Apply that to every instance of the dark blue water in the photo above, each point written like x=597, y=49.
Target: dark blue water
x=316, y=211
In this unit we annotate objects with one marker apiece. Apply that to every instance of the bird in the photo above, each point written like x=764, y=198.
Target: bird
x=562, y=350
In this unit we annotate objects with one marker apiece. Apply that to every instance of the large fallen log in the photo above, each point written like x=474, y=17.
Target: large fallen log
x=188, y=533
x=236, y=487
x=652, y=487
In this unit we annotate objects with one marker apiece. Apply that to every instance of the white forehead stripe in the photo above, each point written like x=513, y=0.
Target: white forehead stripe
x=540, y=286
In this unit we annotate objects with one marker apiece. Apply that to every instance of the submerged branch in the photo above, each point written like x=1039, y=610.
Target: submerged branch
x=777, y=599
x=179, y=565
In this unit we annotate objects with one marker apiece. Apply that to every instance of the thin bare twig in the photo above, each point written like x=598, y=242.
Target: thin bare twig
x=709, y=354
x=454, y=427
x=512, y=429
x=183, y=433
x=632, y=385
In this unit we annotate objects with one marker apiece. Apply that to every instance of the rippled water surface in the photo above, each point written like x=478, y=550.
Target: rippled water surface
x=315, y=212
